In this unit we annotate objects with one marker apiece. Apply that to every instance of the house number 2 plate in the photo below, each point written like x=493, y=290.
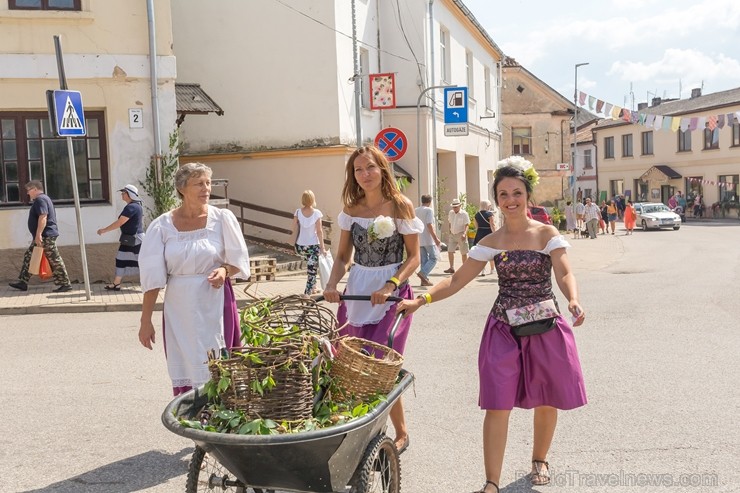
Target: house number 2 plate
x=135, y=118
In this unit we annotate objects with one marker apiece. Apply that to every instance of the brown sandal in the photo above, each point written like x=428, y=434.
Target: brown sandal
x=483, y=490
x=540, y=472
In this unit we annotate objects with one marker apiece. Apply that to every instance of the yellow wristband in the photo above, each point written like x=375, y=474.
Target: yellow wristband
x=427, y=298
x=396, y=282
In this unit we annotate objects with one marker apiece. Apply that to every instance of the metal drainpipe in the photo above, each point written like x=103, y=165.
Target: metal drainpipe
x=154, y=78
x=356, y=65
x=377, y=20
x=500, y=96
x=435, y=178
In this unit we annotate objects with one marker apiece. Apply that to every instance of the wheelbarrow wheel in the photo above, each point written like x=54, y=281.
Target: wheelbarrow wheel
x=206, y=474
x=380, y=468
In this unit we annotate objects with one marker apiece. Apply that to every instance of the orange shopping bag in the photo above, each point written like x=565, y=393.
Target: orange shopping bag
x=44, y=269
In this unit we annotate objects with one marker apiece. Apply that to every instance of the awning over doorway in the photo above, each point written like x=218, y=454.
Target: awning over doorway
x=193, y=100
x=660, y=172
x=400, y=172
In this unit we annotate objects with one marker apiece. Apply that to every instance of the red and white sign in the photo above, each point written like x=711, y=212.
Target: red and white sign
x=382, y=91
x=562, y=166
x=392, y=142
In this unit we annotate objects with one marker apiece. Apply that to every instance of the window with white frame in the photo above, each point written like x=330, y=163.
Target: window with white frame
x=29, y=151
x=627, y=145
x=469, y=72
x=711, y=138
x=684, y=140
x=365, y=77
x=444, y=54
x=487, y=82
x=521, y=140
x=608, y=147
x=587, y=163
x=728, y=188
x=647, y=143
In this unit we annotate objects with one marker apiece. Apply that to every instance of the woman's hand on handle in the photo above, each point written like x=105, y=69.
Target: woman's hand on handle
x=381, y=295
x=331, y=294
x=408, y=306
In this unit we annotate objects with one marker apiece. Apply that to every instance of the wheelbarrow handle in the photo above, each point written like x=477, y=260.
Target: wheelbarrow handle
x=365, y=297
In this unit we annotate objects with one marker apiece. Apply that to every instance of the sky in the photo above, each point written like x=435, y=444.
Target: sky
x=636, y=49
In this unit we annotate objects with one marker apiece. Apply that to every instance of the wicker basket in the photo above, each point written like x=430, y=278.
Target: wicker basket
x=292, y=397
x=361, y=375
x=290, y=311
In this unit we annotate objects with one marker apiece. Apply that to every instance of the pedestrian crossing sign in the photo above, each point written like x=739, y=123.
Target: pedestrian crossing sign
x=68, y=114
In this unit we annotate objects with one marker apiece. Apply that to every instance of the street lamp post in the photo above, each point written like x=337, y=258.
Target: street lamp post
x=575, y=136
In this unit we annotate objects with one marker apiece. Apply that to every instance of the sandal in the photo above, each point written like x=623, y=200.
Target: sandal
x=405, y=445
x=112, y=287
x=540, y=472
x=483, y=490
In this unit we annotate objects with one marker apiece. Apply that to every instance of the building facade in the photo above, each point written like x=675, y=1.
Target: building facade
x=285, y=75
x=106, y=58
x=655, y=157
x=536, y=125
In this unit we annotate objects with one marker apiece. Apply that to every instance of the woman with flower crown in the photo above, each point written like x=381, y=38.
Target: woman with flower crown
x=533, y=365
x=380, y=224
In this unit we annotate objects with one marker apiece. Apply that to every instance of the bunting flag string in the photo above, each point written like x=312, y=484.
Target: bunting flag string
x=713, y=123
x=726, y=184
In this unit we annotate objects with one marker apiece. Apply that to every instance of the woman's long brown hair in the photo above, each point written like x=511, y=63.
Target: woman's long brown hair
x=352, y=192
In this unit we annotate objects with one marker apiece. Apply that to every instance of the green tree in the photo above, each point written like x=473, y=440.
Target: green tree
x=163, y=192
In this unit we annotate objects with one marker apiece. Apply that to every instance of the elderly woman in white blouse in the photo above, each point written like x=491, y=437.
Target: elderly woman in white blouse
x=380, y=224
x=192, y=251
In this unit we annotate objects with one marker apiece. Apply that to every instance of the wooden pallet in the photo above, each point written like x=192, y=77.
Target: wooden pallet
x=262, y=269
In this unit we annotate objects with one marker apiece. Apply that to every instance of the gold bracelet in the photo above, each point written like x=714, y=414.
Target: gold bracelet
x=226, y=268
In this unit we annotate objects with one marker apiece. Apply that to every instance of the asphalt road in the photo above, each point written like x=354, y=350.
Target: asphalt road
x=659, y=351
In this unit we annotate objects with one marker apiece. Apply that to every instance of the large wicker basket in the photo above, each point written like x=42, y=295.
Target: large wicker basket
x=287, y=361
x=291, y=398
x=363, y=368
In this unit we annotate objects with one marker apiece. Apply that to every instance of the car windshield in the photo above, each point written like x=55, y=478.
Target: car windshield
x=648, y=209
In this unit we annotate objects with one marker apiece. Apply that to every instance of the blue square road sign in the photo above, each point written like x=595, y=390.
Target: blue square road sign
x=456, y=104
x=69, y=114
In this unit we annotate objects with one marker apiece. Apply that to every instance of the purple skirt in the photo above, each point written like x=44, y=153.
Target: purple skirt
x=539, y=370
x=232, y=328
x=379, y=332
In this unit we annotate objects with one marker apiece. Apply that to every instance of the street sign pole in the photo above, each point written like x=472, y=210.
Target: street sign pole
x=72, y=170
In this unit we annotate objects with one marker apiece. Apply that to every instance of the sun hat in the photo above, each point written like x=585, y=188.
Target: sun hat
x=132, y=191
x=455, y=203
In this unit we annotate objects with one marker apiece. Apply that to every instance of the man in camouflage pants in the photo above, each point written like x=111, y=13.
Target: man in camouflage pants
x=42, y=223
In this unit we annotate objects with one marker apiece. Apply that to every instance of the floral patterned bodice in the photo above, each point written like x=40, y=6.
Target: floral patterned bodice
x=379, y=252
x=524, y=277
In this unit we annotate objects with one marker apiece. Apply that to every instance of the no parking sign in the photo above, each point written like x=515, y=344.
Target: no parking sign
x=392, y=142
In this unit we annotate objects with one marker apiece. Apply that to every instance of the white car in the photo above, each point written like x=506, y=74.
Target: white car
x=656, y=216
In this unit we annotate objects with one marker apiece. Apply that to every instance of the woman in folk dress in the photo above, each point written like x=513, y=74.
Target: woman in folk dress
x=192, y=251
x=380, y=225
x=539, y=371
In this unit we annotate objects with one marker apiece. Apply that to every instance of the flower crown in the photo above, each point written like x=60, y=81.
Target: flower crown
x=526, y=167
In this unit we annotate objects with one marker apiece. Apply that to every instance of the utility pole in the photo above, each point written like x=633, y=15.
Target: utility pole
x=575, y=136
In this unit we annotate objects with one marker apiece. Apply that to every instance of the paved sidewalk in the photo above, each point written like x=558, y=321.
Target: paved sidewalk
x=40, y=297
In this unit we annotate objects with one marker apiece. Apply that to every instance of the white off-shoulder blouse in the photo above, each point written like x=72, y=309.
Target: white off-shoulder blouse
x=364, y=280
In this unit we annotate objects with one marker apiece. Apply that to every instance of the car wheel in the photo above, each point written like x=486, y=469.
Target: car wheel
x=676, y=228
x=644, y=225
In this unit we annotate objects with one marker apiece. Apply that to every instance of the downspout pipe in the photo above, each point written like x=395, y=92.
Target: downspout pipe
x=357, y=77
x=154, y=78
x=435, y=178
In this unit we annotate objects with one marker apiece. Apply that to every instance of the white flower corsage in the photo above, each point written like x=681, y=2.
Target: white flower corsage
x=526, y=167
x=381, y=227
